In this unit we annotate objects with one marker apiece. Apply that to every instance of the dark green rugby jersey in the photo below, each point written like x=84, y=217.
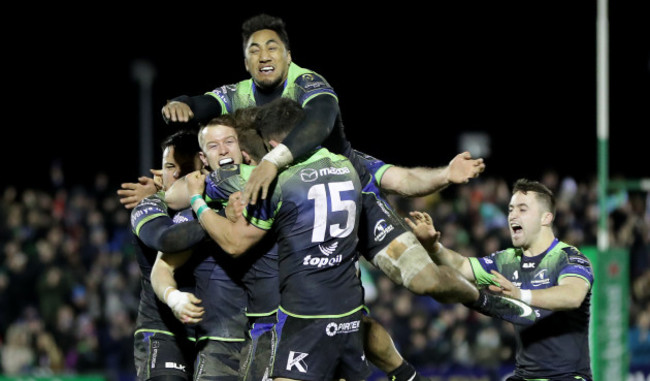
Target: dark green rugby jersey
x=314, y=209
x=301, y=86
x=559, y=343
x=154, y=315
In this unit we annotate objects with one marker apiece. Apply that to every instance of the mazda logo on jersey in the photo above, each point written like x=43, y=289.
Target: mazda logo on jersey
x=308, y=175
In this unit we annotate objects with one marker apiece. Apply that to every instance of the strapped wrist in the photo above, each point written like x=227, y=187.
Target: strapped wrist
x=174, y=298
x=280, y=156
x=195, y=197
x=165, y=293
x=200, y=210
x=198, y=204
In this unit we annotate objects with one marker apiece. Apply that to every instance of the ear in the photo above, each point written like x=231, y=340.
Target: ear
x=246, y=65
x=289, y=57
x=204, y=159
x=198, y=163
x=247, y=158
x=547, y=218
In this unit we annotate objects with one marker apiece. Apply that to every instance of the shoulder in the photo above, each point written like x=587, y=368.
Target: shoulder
x=307, y=80
x=506, y=255
x=219, y=184
x=224, y=94
x=223, y=173
x=155, y=202
x=149, y=208
x=572, y=254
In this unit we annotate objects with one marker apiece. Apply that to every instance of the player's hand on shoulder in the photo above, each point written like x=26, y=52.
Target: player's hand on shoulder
x=259, y=182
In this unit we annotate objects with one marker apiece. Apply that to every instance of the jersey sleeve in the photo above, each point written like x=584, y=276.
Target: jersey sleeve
x=148, y=209
x=220, y=184
x=164, y=235
x=225, y=95
x=482, y=268
x=151, y=223
x=223, y=182
x=577, y=264
x=375, y=167
x=310, y=85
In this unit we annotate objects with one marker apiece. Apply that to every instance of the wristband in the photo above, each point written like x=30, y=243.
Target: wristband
x=195, y=197
x=526, y=296
x=197, y=204
x=174, y=298
x=165, y=293
x=280, y=156
x=202, y=208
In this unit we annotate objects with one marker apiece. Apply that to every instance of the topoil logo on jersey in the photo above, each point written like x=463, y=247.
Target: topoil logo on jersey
x=341, y=328
x=322, y=262
x=382, y=228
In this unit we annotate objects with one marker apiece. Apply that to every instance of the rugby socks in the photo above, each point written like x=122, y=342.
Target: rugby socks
x=404, y=372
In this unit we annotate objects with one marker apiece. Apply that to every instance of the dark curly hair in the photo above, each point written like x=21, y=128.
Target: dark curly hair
x=186, y=147
x=264, y=21
x=276, y=119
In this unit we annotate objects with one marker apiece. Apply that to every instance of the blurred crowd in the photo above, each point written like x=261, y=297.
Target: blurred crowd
x=69, y=281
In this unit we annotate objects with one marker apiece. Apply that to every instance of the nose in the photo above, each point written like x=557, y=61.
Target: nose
x=265, y=55
x=223, y=150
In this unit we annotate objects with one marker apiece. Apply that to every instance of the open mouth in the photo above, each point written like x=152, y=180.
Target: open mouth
x=267, y=69
x=226, y=161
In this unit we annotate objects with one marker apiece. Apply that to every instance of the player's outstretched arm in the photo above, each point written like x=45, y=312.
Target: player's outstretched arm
x=422, y=181
x=422, y=225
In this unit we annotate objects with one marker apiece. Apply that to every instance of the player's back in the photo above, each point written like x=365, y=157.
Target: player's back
x=317, y=203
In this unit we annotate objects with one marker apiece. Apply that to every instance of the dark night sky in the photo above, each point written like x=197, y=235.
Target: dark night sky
x=409, y=80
